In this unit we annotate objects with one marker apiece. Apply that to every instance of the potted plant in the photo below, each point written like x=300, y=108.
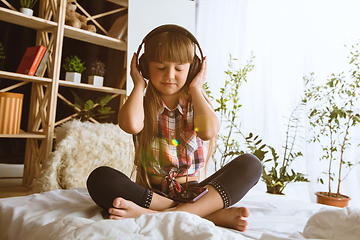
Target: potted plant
x=280, y=174
x=97, y=73
x=228, y=144
x=332, y=117
x=74, y=68
x=27, y=6
x=90, y=109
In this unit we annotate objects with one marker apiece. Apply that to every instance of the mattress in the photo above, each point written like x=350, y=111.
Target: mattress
x=71, y=214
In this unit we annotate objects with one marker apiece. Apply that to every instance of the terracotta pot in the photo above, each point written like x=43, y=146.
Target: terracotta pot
x=323, y=198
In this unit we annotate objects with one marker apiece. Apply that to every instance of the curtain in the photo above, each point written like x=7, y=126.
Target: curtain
x=289, y=39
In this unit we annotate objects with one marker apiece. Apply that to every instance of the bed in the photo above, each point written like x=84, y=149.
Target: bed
x=61, y=208
x=71, y=214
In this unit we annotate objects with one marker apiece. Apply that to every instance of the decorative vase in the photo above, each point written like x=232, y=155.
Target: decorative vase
x=323, y=198
x=27, y=11
x=10, y=112
x=96, y=80
x=73, y=77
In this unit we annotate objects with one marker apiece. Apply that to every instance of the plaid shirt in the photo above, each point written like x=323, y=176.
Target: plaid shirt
x=176, y=150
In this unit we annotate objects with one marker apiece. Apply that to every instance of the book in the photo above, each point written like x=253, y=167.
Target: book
x=42, y=64
x=31, y=60
x=119, y=28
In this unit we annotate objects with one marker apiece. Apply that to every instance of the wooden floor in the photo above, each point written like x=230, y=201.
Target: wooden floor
x=11, y=181
x=13, y=191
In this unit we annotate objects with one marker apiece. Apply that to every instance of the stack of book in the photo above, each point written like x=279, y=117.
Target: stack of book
x=34, y=61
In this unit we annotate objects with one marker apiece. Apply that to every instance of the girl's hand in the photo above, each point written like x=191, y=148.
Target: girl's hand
x=200, y=78
x=135, y=74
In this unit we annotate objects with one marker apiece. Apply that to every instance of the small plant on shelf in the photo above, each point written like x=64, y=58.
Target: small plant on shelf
x=74, y=64
x=97, y=68
x=97, y=72
x=93, y=109
x=28, y=3
x=74, y=68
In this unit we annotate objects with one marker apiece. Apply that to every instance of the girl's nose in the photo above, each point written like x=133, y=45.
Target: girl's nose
x=171, y=74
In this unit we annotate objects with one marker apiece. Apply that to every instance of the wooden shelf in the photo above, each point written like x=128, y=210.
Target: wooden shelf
x=94, y=38
x=91, y=87
x=23, y=134
x=37, y=23
x=21, y=19
x=23, y=77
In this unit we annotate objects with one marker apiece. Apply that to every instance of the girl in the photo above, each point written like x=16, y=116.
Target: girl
x=169, y=125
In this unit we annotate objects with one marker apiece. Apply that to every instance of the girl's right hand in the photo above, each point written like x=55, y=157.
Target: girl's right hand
x=135, y=74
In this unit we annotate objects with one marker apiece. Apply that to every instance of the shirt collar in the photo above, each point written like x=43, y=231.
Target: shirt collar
x=180, y=106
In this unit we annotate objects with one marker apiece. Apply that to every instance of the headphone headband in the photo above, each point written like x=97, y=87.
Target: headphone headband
x=171, y=28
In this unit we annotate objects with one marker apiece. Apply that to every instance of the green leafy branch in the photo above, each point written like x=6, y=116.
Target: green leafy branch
x=91, y=109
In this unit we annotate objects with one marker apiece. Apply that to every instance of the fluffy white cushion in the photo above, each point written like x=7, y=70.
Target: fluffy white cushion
x=80, y=148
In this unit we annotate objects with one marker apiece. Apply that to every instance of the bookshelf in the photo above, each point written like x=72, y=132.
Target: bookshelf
x=51, y=32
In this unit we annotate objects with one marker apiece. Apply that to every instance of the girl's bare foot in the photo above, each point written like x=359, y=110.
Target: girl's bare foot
x=230, y=218
x=126, y=209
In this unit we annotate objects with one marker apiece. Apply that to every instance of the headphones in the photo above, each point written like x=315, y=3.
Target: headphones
x=195, y=66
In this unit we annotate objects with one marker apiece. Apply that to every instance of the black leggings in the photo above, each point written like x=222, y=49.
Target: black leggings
x=232, y=182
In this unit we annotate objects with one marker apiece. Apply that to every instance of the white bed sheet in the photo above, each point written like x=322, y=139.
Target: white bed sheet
x=71, y=214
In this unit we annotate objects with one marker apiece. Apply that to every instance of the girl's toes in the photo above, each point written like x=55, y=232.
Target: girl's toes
x=244, y=212
x=119, y=203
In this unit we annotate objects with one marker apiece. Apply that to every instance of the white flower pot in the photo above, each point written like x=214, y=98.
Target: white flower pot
x=96, y=80
x=26, y=11
x=73, y=77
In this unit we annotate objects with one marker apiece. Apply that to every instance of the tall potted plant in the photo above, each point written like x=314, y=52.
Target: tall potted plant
x=332, y=116
x=74, y=68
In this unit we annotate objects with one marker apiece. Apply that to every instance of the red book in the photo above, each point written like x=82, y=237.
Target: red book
x=31, y=60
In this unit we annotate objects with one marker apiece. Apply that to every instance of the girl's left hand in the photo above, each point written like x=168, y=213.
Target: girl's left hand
x=200, y=78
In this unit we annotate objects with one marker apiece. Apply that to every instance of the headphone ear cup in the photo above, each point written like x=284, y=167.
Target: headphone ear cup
x=143, y=67
x=194, y=68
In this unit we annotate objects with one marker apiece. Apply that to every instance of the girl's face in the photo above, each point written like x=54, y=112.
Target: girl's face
x=168, y=77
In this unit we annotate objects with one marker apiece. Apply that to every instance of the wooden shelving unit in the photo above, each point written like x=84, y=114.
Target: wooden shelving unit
x=51, y=31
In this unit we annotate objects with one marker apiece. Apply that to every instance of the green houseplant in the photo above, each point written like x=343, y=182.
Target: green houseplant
x=97, y=71
x=93, y=109
x=232, y=141
x=332, y=116
x=280, y=174
x=27, y=6
x=74, y=68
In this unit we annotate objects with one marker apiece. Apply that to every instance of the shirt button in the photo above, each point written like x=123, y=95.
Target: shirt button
x=172, y=134
x=171, y=114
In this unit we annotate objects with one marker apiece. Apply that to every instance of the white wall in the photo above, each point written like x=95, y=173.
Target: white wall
x=145, y=15
x=290, y=39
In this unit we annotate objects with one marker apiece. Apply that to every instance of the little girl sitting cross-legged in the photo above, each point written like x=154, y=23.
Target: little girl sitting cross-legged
x=169, y=125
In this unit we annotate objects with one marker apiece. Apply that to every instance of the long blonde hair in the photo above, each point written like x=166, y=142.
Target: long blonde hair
x=165, y=46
